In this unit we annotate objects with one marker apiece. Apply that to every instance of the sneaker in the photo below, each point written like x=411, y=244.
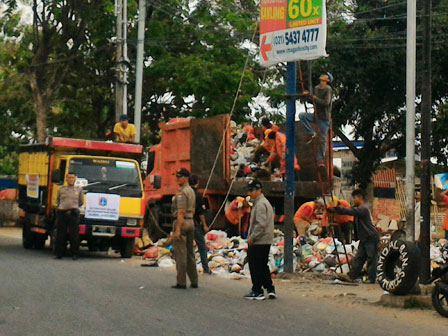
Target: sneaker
x=272, y=295
x=320, y=164
x=75, y=257
x=310, y=138
x=194, y=286
x=255, y=296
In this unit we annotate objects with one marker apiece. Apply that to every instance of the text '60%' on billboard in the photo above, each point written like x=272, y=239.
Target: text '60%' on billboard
x=292, y=30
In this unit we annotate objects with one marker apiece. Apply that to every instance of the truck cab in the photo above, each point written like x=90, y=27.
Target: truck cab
x=114, y=206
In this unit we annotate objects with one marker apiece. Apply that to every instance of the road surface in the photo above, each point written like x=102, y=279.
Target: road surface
x=102, y=294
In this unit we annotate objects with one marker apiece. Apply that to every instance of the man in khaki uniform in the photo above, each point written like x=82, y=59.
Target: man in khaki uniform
x=184, y=203
x=70, y=198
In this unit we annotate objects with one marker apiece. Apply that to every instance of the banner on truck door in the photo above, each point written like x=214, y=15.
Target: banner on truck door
x=102, y=206
x=292, y=30
x=32, y=186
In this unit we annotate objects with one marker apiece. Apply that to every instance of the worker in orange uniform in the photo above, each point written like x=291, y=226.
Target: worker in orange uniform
x=345, y=222
x=305, y=216
x=237, y=214
x=266, y=147
x=279, y=150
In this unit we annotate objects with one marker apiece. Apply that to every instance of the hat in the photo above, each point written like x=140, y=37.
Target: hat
x=334, y=201
x=182, y=173
x=319, y=201
x=254, y=185
x=124, y=117
x=325, y=77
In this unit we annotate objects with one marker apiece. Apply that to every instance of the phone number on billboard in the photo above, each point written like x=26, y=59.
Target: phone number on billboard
x=297, y=37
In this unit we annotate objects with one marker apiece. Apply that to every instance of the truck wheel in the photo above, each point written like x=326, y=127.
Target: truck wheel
x=398, y=267
x=127, y=247
x=39, y=241
x=27, y=234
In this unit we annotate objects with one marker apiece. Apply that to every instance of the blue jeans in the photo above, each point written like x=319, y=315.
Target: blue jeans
x=307, y=119
x=200, y=242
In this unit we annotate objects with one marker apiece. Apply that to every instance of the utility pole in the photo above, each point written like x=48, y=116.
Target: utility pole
x=410, y=119
x=426, y=145
x=139, y=68
x=118, y=58
x=291, y=91
x=125, y=60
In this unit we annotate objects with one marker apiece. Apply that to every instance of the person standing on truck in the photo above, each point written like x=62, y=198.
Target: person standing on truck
x=69, y=199
x=261, y=235
x=368, y=236
x=321, y=99
x=200, y=224
x=279, y=151
x=305, y=215
x=124, y=131
x=184, y=203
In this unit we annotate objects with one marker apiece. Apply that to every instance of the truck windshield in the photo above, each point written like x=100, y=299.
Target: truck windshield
x=107, y=176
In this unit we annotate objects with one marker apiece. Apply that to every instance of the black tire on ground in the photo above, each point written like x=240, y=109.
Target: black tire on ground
x=27, y=234
x=398, y=267
x=127, y=247
x=440, y=301
x=39, y=241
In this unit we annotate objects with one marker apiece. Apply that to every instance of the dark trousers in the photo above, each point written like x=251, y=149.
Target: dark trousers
x=258, y=256
x=67, y=220
x=200, y=242
x=367, y=251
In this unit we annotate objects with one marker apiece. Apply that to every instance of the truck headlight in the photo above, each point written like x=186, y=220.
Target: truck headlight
x=132, y=221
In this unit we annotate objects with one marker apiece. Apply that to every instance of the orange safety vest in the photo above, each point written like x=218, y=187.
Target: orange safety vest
x=233, y=214
x=340, y=219
x=280, y=150
x=305, y=212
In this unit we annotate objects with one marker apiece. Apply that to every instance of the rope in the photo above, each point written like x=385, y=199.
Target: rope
x=234, y=177
x=230, y=117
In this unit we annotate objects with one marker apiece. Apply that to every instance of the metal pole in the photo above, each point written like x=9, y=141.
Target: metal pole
x=425, y=228
x=118, y=57
x=410, y=120
x=290, y=153
x=125, y=56
x=139, y=68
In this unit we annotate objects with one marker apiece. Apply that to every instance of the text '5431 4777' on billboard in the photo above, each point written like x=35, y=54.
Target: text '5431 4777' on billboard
x=292, y=30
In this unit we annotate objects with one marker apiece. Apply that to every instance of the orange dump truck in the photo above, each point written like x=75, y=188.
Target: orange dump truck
x=195, y=144
x=109, y=173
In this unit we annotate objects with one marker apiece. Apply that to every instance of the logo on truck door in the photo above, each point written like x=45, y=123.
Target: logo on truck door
x=102, y=201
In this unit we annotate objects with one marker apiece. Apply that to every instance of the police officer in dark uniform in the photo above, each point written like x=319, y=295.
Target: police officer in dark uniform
x=200, y=224
x=183, y=204
x=69, y=199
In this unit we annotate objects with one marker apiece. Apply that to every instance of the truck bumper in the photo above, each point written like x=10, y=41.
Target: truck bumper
x=126, y=232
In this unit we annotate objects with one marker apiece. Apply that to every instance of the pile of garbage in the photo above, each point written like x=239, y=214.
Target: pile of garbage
x=244, y=162
x=228, y=256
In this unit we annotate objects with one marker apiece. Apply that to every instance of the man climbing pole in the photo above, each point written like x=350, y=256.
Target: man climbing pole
x=321, y=100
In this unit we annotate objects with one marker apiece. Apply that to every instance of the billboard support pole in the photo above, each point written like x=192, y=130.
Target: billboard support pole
x=291, y=91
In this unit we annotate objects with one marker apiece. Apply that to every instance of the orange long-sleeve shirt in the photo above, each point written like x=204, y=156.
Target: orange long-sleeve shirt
x=305, y=212
x=340, y=219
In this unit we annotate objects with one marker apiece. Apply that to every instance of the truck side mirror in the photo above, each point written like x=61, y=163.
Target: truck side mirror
x=157, y=184
x=56, y=176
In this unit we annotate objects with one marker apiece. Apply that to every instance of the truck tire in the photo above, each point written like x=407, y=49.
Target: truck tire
x=27, y=234
x=127, y=247
x=398, y=267
x=39, y=241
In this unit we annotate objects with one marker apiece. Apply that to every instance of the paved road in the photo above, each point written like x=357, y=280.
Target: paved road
x=103, y=295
